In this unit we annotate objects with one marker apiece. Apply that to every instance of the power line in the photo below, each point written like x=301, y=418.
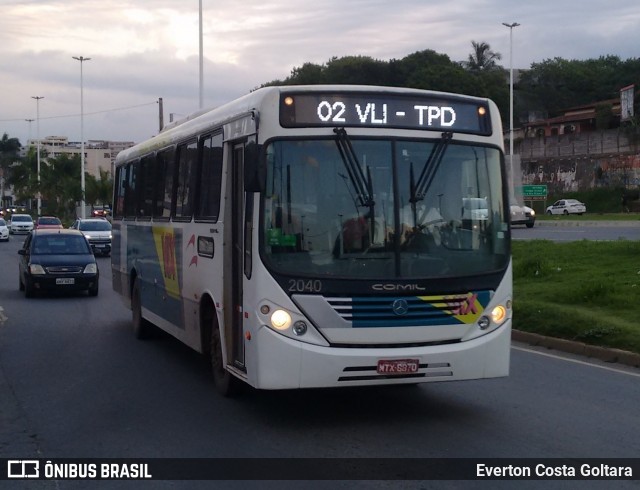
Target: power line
x=86, y=113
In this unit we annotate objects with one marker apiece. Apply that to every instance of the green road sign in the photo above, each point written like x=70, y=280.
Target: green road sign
x=534, y=191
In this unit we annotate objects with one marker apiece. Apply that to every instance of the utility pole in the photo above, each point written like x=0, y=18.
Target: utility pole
x=511, y=26
x=160, y=114
x=201, y=57
x=81, y=59
x=38, y=148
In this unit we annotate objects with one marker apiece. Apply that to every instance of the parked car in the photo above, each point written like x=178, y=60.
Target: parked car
x=98, y=232
x=523, y=215
x=4, y=231
x=475, y=208
x=20, y=223
x=48, y=222
x=57, y=260
x=567, y=206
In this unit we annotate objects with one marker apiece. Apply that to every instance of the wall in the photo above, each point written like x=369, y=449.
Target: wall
x=580, y=161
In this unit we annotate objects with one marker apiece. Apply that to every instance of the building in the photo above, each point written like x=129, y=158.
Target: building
x=576, y=120
x=585, y=147
x=98, y=154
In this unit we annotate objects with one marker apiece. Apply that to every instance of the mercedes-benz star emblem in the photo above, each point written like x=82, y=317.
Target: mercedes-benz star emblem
x=400, y=307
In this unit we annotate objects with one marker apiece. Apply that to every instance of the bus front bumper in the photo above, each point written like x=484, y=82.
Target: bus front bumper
x=283, y=363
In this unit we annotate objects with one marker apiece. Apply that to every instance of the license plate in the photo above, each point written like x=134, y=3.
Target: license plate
x=65, y=280
x=99, y=246
x=398, y=366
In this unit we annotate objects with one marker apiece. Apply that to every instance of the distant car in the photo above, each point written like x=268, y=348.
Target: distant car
x=475, y=208
x=567, y=206
x=48, y=222
x=523, y=215
x=57, y=260
x=98, y=232
x=20, y=223
x=101, y=212
x=4, y=231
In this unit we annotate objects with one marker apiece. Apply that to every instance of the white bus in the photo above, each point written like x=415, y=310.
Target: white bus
x=317, y=236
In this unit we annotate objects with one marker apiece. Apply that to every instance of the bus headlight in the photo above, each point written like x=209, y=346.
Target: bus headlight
x=280, y=320
x=498, y=314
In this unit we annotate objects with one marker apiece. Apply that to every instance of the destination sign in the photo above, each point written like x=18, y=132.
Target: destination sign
x=385, y=110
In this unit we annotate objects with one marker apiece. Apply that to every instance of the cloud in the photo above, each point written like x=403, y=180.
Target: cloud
x=147, y=49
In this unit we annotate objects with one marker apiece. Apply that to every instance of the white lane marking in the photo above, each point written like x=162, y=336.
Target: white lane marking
x=562, y=358
x=3, y=317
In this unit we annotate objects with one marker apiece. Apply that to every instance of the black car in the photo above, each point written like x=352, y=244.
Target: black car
x=57, y=260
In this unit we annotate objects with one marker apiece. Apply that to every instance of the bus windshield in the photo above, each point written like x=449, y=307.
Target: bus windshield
x=384, y=208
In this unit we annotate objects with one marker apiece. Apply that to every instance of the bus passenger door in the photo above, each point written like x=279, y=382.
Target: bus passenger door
x=234, y=231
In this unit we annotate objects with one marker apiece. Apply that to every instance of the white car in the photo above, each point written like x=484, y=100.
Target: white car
x=475, y=208
x=20, y=223
x=567, y=206
x=522, y=215
x=4, y=231
x=98, y=232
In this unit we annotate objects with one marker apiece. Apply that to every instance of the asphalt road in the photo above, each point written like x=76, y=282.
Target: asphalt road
x=566, y=230
x=74, y=383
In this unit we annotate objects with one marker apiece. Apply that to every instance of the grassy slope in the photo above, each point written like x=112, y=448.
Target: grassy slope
x=586, y=291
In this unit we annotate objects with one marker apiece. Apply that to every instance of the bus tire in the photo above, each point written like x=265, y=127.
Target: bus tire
x=226, y=383
x=141, y=327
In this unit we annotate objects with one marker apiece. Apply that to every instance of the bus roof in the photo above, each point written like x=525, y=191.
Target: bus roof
x=253, y=102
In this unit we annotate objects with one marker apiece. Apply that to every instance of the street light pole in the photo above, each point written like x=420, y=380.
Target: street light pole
x=38, y=148
x=511, y=26
x=201, y=57
x=81, y=59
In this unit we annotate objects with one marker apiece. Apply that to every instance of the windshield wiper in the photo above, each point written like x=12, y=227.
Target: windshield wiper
x=362, y=184
x=419, y=189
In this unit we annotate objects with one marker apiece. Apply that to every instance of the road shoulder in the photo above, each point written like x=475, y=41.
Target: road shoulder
x=579, y=348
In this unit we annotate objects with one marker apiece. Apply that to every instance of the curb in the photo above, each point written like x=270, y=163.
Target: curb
x=569, y=222
x=601, y=353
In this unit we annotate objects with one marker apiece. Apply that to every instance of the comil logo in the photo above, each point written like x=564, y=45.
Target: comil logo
x=23, y=468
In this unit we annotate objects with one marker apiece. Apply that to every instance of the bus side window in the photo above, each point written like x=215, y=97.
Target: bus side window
x=187, y=162
x=147, y=183
x=130, y=194
x=210, y=178
x=164, y=183
x=119, y=188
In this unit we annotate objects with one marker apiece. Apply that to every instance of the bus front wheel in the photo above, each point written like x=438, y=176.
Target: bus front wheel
x=225, y=382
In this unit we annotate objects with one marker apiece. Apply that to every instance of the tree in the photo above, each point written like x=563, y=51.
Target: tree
x=558, y=84
x=60, y=179
x=9, y=148
x=482, y=58
x=98, y=190
x=24, y=177
x=357, y=70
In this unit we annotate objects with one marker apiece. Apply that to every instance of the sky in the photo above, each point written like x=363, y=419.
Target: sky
x=143, y=50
